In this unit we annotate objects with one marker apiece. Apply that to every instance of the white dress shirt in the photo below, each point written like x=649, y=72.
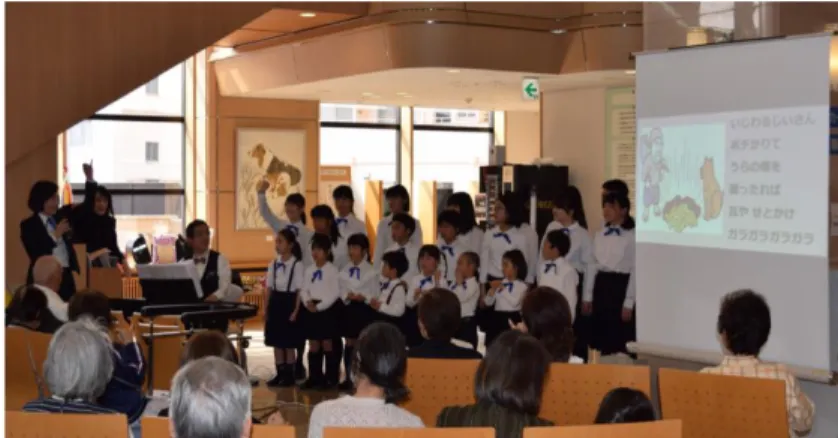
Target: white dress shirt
x=495, y=244
x=322, y=284
x=357, y=412
x=302, y=232
x=421, y=283
x=581, y=252
x=411, y=251
x=473, y=239
x=531, y=251
x=393, y=297
x=468, y=293
x=349, y=225
x=562, y=276
x=340, y=252
x=451, y=252
x=613, y=252
x=508, y=296
x=359, y=279
x=55, y=304
x=227, y=291
x=60, y=251
x=384, y=238
x=286, y=275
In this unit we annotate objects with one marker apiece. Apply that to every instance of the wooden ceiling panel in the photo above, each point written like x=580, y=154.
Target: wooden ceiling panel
x=243, y=36
x=289, y=20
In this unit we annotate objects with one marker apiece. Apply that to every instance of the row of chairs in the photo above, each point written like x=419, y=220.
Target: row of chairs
x=26, y=425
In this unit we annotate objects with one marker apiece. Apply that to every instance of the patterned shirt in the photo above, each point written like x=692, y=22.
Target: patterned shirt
x=54, y=405
x=349, y=411
x=800, y=408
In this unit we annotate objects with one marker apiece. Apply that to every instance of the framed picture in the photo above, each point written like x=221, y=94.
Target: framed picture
x=274, y=155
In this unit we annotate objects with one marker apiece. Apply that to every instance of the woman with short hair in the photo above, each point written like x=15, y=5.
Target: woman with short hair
x=508, y=388
x=546, y=316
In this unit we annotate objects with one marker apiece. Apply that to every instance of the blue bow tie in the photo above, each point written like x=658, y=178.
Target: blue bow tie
x=294, y=229
x=508, y=286
x=565, y=230
x=278, y=265
x=612, y=231
x=549, y=266
x=448, y=249
x=425, y=281
x=384, y=286
x=318, y=275
x=355, y=272
x=51, y=221
x=504, y=236
x=341, y=220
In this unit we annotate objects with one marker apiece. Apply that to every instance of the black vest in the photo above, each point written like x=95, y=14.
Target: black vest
x=209, y=281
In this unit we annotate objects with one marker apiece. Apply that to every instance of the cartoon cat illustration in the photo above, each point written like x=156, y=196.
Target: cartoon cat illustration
x=713, y=195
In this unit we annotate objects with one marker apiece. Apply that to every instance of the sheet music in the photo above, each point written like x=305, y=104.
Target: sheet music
x=172, y=271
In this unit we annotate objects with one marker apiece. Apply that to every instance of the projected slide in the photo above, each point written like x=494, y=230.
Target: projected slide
x=731, y=181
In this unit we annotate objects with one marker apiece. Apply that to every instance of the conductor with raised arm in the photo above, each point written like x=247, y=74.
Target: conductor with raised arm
x=43, y=234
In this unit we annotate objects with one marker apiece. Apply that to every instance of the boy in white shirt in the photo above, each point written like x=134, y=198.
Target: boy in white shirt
x=428, y=278
x=398, y=199
x=554, y=271
x=449, y=243
x=402, y=230
x=506, y=297
x=390, y=302
x=467, y=289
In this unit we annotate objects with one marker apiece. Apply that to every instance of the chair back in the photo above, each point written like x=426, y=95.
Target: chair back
x=653, y=429
x=437, y=383
x=574, y=392
x=712, y=406
x=167, y=350
x=28, y=425
x=26, y=352
x=430, y=432
x=268, y=431
x=155, y=427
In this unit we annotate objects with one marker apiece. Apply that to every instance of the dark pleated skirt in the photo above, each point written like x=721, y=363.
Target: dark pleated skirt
x=321, y=325
x=581, y=325
x=356, y=317
x=608, y=333
x=481, y=313
x=279, y=331
x=410, y=327
x=467, y=331
x=498, y=322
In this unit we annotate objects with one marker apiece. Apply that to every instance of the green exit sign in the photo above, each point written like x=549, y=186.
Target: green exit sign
x=530, y=89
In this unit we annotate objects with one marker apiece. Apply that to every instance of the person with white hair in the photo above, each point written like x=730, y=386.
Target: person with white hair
x=77, y=370
x=210, y=398
x=46, y=276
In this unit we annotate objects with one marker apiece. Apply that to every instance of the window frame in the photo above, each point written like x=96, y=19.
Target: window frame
x=397, y=126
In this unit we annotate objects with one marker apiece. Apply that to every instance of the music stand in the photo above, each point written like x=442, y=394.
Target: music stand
x=175, y=283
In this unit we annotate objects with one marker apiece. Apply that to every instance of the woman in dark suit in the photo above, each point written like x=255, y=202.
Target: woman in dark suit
x=94, y=222
x=45, y=234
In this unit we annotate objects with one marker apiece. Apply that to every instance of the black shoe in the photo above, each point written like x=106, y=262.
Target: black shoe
x=311, y=383
x=315, y=378
x=328, y=385
x=346, y=386
x=276, y=381
x=287, y=377
x=299, y=372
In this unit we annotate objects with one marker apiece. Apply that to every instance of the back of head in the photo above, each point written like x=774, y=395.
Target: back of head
x=546, y=314
x=381, y=358
x=79, y=363
x=744, y=322
x=439, y=314
x=513, y=373
x=46, y=270
x=210, y=398
x=625, y=405
x=211, y=343
x=93, y=304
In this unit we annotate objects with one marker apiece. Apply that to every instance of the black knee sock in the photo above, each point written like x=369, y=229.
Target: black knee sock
x=348, y=357
x=332, y=366
x=315, y=365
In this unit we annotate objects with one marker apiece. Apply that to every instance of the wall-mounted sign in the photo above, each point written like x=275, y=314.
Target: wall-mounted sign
x=530, y=89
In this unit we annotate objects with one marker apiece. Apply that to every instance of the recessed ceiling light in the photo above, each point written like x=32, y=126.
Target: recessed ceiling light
x=630, y=72
x=308, y=15
x=430, y=22
x=558, y=31
x=453, y=71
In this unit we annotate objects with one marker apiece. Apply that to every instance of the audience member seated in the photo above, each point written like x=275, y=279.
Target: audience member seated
x=743, y=326
x=439, y=320
x=77, y=370
x=28, y=310
x=210, y=398
x=508, y=387
x=378, y=372
x=625, y=405
x=546, y=315
x=124, y=392
x=46, y=276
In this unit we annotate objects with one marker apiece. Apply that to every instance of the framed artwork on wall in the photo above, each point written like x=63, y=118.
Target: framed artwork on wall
x=275, y=155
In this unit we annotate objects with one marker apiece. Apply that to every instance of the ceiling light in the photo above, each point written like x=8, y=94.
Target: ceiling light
x=453, y=71
x=308, y=15
x=401, y=93
x=558, y=31
x=219, y=53
x=630, y=72
x=430, y=22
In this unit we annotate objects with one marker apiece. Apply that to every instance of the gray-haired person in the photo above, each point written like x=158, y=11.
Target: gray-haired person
x=210, y=398
x=77, y=370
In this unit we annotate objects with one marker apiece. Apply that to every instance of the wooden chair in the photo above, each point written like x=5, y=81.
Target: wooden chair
x=437, y=383
x=655, y=429
x=167, y=351
x=455, y=432
x=267, y=431
x=574, y=392
x=156, y=427
x=724, y=406
x=29, y=425
x=25, y=354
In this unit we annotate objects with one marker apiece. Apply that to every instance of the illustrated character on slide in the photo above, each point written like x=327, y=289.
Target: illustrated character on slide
x=654, y=167
x=280, y=175
x=713, y=195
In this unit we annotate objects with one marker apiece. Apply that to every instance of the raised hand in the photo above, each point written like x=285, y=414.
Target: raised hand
x=263, y=185
x=88, y=170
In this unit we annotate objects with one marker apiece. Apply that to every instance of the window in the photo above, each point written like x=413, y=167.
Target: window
x=136, y=145
x=364, y=137
x=152, y=152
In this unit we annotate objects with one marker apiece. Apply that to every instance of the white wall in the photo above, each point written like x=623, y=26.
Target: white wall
x=523, y=136
x=573, y=134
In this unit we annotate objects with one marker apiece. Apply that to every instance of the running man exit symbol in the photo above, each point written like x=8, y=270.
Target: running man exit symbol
x=529, y=89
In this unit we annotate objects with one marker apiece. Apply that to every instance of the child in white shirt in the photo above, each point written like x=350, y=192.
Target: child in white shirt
x=359, y=285
x=468, y=232
x=555, y=271
x=398, y=199
x=428, y=278
x=449, y=243
x=506, y=297
x=319, y=294
x=348, y=223
x=283, y=283
x=467, y=289
x=391, y=299
x=402, y=231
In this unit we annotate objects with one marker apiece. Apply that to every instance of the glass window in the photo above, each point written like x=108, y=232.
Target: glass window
x=152, y=152
x=371, y=153
x=452, y=157
x=162, y=96
x=464, y=118
x=360, y=114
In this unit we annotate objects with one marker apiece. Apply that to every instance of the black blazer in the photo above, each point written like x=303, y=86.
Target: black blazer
x=38, y=243
x=442, y=350
x=95, y=231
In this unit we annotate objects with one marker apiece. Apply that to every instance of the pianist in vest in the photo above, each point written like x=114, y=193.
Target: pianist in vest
x=213, y=268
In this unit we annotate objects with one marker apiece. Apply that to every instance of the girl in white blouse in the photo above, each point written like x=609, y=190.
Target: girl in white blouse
x=359, y=284
x=283, y=282
x=506, y=296
x=428, y=278
x=467, y=289
x=609, y=283
x=449, y=243
x=378, y=373
x=469, y=233
x=347, y=222
x=320, y=292
x=398, y=200
x=392, y=295
x=325, y=223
